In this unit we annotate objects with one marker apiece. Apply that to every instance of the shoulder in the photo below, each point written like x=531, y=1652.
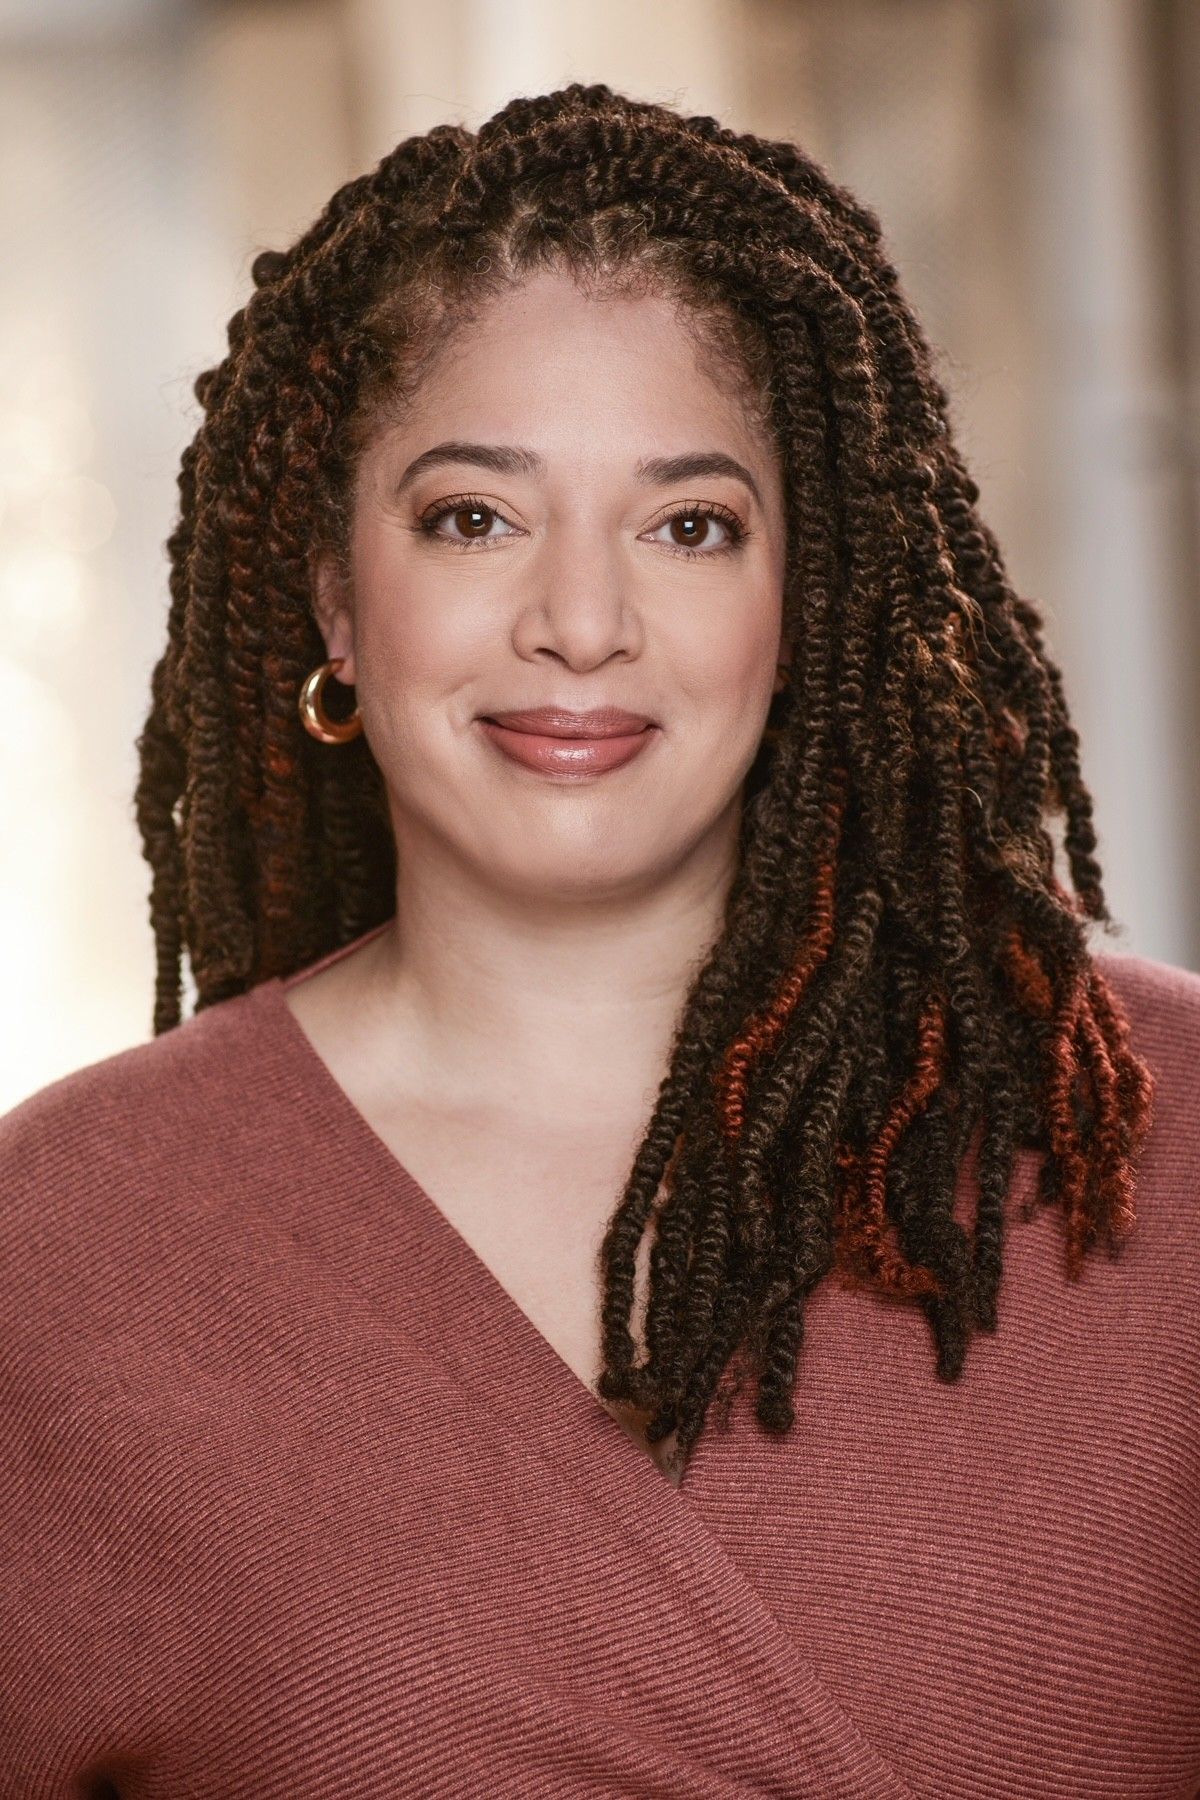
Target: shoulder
x=1165, y=996
x=132, y=1102
x=106, y=1159
x=1161, y=1005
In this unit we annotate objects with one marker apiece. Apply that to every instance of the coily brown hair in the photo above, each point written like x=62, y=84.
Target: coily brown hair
x=901, y=976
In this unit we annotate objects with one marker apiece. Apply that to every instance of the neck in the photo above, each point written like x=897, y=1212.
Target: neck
x=546, y=1005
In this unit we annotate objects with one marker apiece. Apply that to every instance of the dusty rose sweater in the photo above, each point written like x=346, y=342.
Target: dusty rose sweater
x=297, y=1504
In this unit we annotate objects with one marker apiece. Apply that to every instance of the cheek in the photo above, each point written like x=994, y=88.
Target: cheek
x=730, y=672
x=410, y=632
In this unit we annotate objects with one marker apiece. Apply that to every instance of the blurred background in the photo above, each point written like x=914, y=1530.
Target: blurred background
x=1035, y=164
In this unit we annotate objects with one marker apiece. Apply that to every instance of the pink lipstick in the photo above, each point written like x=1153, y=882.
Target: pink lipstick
x=559, y=741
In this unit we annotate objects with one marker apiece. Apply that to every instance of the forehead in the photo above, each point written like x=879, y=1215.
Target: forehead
x=623, y=373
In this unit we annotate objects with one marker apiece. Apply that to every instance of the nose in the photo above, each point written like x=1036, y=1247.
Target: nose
x=578, y=603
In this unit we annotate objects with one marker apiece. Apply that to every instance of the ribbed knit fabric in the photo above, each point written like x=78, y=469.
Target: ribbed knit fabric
x=297, y=1504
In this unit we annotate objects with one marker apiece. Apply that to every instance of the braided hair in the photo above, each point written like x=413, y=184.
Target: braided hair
x=901, y=977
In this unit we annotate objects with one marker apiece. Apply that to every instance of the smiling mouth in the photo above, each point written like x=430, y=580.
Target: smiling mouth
x=573, y=754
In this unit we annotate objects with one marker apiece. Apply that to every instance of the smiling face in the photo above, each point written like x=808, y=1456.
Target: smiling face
x=567, y=564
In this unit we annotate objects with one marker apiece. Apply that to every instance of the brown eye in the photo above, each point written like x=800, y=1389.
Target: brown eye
x=697, y=531
x=691, y=529
x=471, y=520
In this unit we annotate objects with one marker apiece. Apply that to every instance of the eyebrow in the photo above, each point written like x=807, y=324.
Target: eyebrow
x=511, y=459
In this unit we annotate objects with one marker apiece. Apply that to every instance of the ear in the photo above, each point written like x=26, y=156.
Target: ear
x=334, y=612
x=784, y=657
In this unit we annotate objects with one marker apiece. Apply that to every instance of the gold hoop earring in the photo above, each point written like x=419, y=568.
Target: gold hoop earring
x=316, y=720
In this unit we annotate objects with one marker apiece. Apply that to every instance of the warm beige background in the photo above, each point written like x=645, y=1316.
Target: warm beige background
x=1036, y=168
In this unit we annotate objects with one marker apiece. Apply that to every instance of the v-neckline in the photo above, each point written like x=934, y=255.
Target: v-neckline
x=469, y=1269
x=511, y=1376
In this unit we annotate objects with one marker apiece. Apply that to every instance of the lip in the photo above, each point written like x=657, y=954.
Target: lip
x=565, y=722
x=572, y=757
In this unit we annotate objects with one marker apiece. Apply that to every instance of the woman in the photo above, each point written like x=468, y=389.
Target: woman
x=554, y=1080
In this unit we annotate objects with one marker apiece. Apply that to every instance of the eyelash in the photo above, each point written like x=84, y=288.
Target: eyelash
x=738, y=533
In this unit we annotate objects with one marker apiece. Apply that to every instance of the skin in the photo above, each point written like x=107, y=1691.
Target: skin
x=537, y=915
x=546, y=931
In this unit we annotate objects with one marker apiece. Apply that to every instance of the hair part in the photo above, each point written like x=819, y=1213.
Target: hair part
x=901, y=978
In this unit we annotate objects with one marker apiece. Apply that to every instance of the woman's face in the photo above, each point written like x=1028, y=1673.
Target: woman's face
x=572, y=567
